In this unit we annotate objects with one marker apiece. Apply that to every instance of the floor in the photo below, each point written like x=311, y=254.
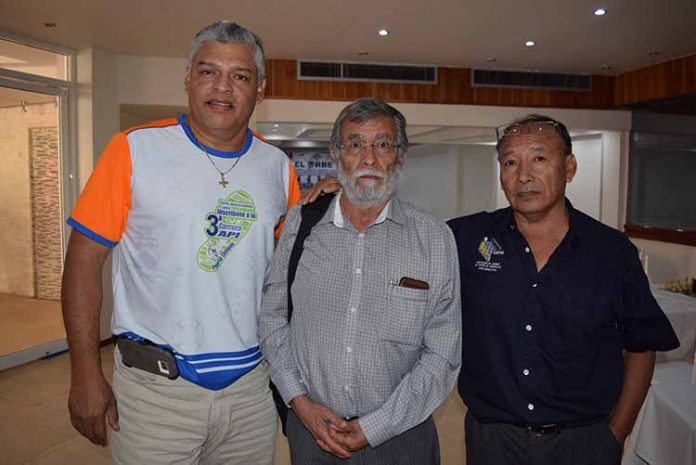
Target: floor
x=35, y=428
x=26, y=322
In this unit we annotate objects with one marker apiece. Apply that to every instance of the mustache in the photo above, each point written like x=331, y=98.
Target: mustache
x=368, y=172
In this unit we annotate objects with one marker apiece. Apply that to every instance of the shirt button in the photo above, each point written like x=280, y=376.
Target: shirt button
x=528, y=328
x=530, y=406
x=349, y=350
x=346, y=388
x=534, y=285
x=353, y=309
x=358, y=271
x=525, y=372
x=361, y=235
x=526, y=249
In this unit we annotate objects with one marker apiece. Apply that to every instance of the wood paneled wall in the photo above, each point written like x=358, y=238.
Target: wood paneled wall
x=667, y=80
x=453, y=87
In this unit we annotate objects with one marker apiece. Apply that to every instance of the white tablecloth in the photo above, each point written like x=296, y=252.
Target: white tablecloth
x=665, y=433
x=681, y=312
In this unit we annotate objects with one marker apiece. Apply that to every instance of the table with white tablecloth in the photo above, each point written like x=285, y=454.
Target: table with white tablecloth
x=681, y=312
x=666, y=433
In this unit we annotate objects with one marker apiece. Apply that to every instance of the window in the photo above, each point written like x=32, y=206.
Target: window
x=28, y=59
x=662, y=187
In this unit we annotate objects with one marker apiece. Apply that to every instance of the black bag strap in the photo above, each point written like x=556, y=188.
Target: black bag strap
x=311, y=214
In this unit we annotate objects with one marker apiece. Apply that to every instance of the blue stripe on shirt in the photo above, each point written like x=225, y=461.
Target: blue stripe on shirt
x=215, y=370
x=89, y=233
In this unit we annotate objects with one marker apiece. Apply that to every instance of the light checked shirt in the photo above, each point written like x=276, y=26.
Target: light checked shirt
x=359, y=343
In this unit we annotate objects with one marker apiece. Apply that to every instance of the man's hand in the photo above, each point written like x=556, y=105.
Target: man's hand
x=92, y=405
x=352, y=438
x=319, y=421
x=638, y=370
x=328, y=185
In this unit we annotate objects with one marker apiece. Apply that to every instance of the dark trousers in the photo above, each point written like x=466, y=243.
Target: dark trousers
x=417, y=446
x=505, y=444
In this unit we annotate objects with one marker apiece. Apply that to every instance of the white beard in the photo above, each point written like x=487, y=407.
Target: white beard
x=368, y=193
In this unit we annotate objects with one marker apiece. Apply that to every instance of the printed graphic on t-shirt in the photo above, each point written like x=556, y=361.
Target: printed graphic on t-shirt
x=225, y=227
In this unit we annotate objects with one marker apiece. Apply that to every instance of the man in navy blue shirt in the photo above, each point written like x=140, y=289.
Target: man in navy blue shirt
x=560, y=327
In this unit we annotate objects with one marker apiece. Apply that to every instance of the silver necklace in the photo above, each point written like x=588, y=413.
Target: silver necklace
x=223, y=182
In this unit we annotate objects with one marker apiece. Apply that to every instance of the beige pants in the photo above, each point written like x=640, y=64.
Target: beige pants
x=166, y=421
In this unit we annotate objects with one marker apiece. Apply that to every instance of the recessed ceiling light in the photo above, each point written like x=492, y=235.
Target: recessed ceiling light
x=383, y=32
x=653, y=53
x=606, y=67
x=490, y=60
x=363, y=53
x=530, y=43
x=49, y=24
x=600, y=11
x=275, y=125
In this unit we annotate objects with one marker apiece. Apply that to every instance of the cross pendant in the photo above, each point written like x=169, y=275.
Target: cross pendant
x=223, y=182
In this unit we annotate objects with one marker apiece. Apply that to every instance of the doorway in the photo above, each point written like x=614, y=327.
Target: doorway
x=35, y=91
x=31, y=236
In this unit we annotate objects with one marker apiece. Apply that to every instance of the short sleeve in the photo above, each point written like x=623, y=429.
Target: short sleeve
x=642, y=323
x=294, y=194
x=103, y=206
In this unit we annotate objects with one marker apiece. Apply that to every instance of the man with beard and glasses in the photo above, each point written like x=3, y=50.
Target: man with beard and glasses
x=374, y=345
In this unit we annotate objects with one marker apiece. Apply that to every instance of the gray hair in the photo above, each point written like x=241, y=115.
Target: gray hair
x=366, y=109
x=230, y=33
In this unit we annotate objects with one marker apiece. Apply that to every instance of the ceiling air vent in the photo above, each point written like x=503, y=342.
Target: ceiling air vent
x=348, y=71
x=534, y=80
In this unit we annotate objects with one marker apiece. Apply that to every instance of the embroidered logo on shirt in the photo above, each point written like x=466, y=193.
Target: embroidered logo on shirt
x=225, y=228
x=489, y=248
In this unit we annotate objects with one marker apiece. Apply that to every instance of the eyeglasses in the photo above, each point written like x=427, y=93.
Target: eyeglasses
x=535, y=127
x=380, y=148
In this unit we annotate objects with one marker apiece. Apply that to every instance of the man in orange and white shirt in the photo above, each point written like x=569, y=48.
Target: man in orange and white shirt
x=189, y=207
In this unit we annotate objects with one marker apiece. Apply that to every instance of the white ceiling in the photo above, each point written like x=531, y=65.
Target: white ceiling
x=462, y=33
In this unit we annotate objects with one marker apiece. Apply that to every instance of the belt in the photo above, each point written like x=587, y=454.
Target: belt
x=543, y=430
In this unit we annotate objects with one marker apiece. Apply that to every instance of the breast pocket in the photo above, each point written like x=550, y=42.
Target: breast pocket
x=404, y=315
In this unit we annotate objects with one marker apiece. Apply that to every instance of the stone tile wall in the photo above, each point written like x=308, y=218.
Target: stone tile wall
x=45, y=211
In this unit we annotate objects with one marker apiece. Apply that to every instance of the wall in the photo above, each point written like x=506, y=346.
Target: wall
x=144, y=80
x=429, y=179
x=454, y=86
x=586, y=189
x=16, y=249
x=477, y=178
x=98, y=120
x=44, y=156
x=665, y=80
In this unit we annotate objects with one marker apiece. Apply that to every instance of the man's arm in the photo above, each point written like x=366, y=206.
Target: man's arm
x=274, y=328
x=431, y=379
x=91, y=401
x=638, y=371
x=276, y=345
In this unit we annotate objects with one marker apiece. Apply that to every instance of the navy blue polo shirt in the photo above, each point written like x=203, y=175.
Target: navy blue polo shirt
x=547, y=347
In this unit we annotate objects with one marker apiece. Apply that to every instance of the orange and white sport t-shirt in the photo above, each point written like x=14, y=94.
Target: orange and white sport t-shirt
x=190, y=255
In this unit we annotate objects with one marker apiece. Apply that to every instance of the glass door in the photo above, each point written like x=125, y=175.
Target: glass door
x=31, y=233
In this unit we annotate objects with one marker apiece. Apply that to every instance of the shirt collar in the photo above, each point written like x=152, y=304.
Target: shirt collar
x=392, y=211
x=505, y=220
